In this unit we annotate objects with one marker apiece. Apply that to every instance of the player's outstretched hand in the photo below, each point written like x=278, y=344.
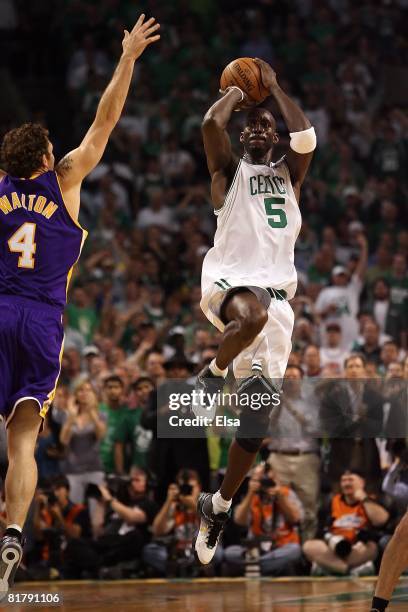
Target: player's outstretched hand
x=142, y=35
x=268, y=75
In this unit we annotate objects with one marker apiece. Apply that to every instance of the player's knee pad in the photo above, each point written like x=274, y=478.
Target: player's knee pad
x=257, y=397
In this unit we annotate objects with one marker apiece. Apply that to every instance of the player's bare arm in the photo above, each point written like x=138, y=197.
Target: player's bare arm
x=75, y=166
x=221, y=161
x=296, y=121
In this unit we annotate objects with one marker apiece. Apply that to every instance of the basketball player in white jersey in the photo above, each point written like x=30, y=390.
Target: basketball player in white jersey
x=249, y=275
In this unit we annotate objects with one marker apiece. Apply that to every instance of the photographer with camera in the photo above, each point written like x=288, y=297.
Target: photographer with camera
x=129, y=513
x=272, y=513
x=62, y=530
x=350, y=542
x=174, y=527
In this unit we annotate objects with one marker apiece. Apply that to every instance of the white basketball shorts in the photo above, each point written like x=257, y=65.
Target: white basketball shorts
x=271, y=348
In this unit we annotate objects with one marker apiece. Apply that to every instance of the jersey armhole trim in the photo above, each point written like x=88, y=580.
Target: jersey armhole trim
x=66, y=207
x=217, y=211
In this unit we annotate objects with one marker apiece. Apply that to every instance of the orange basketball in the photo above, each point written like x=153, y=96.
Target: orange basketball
x=245, y=74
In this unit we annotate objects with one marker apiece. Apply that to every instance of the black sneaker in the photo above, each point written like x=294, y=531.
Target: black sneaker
x=208, y=388
x=210, y=530
x=11, y=553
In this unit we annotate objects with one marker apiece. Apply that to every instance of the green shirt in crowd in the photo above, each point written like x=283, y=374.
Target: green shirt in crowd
x=114, y=418
x=140, y=439
x=85, y=320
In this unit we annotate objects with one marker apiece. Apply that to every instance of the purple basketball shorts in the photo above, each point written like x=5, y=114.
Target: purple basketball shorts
x=31, y=339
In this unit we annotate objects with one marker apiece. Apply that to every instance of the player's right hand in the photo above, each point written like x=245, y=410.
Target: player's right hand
x=242, y=104
x=136, y=41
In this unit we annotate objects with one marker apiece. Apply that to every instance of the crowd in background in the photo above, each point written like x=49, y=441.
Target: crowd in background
x=133, y=320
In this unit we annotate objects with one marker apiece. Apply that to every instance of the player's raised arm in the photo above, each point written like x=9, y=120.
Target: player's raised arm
x=73, y=168
x=302, y=134
x=221, y=161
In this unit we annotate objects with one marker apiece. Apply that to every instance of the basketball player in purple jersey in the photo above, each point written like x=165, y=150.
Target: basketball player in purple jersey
x=40, y=241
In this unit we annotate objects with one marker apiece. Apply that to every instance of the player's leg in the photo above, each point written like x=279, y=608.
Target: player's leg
x=244, y=317
x=21, y=480
x=394, y=562
x=214, y=509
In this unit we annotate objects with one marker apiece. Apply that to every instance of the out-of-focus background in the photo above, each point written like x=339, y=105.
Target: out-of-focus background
x=133, y=317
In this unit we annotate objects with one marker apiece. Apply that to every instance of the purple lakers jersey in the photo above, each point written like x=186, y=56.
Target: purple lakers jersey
x=39, y=240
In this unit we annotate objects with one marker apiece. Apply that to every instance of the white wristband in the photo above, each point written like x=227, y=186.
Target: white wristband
x=240, y=91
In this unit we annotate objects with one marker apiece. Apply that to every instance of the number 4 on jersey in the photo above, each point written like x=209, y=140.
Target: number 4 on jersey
x=282, y=219
x=22, y=241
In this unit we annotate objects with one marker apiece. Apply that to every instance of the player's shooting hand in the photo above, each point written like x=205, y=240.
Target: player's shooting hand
x=142, y=35
x=241, y=104
x=268, y=75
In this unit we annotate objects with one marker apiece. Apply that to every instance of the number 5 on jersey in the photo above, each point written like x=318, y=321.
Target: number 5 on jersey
x=282, y=219
x=22, y=241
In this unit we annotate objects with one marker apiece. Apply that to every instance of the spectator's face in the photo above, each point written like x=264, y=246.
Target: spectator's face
x=389, y=353
x=381, y=291
x=293, y=381
x=79, y=297
x=138, y=482
x=116, y=356
x=312, y=358
x=62, y=495
x=97, y=365
x=371, y=334
x=363, y=319
x=398, y=265
x=84, y=394
x=355, y=368
x=371, y=370
x=395, y=370
x=154, y=365
x=202, y=338
x=350, y=483
x=294, y=359
x=113, y=391
x=74, y=360
x=143, y=391
x=333, y=337
x=340, y=280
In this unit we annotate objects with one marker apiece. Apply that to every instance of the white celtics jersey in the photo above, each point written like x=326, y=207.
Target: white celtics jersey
x=257, y=228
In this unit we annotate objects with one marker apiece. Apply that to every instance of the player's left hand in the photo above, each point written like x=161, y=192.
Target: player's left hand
x=136, y=41
x=268, y=75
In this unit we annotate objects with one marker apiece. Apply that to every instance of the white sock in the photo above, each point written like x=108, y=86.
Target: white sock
x=216, y=370
x=16, y=527
x=220, y=504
